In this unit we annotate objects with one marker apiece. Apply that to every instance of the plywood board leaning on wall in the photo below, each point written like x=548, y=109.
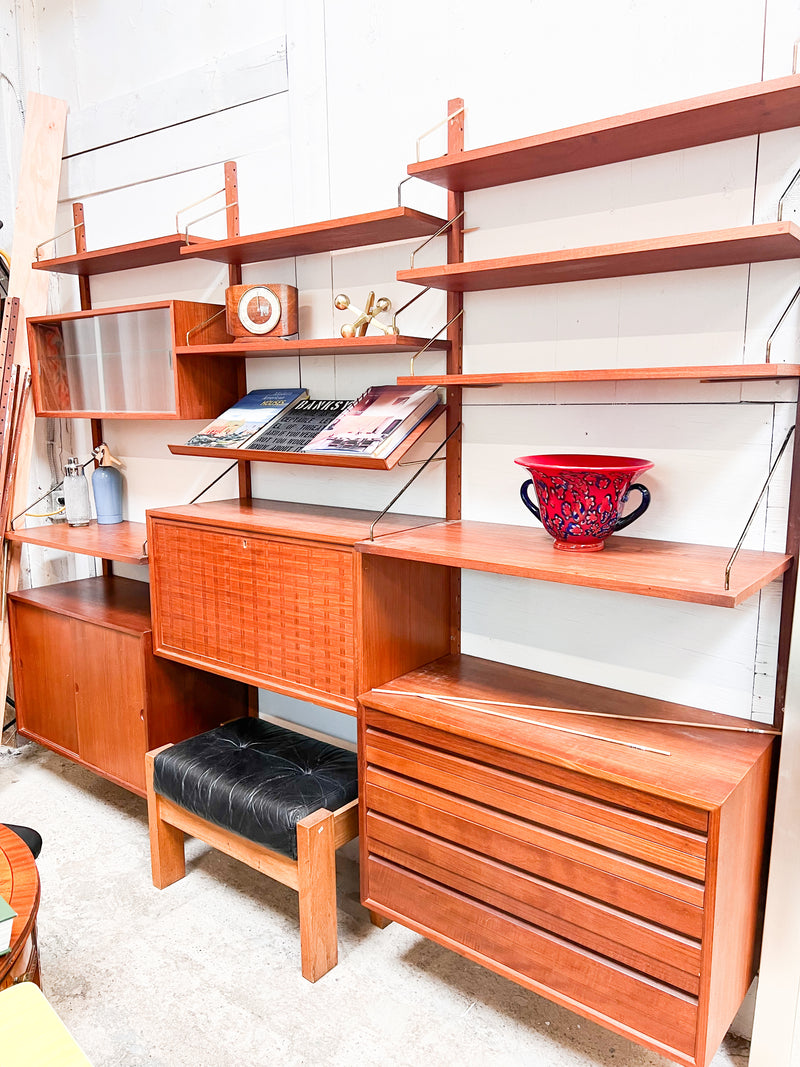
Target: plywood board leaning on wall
x=34, y=222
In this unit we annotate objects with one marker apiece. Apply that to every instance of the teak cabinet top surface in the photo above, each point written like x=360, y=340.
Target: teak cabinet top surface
x=739, y=112
x=701, y=766
x=110, y=601
x=287, y=519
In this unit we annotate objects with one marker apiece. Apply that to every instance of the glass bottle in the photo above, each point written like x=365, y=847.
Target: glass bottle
x=107, y=487
x=76, y=494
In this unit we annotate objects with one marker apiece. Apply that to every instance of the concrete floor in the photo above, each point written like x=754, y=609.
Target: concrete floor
x=206, y=973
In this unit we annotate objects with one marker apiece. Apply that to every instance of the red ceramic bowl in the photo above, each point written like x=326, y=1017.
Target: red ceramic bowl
x=579, y=498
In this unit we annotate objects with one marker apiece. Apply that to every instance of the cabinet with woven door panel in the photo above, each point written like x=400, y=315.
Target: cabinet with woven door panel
x=619, y=876
x=268, y=592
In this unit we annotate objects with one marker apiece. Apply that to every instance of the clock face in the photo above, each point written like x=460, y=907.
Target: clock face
x=259, y=309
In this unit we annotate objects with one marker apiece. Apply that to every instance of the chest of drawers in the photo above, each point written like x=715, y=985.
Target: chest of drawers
x=622, y=882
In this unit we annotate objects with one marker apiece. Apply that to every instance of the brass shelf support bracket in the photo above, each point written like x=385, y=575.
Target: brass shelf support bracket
x=778, y=323
x=200, y=218
x=202, y=325
x=438, y=126
x=784, y=194
x=413, y=478
x=50, y=240
x=446, y=326
x=408, y=303
x=445, y=226
x=749, y=522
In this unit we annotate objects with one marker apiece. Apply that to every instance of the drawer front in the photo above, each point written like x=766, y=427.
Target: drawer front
x=273, y=611
x=582, y=920
x=580, y=816
x=618, y=798
x=648, y=892
x=538, y=959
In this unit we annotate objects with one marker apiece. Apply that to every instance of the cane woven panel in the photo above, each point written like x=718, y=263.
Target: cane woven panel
x=270, y=608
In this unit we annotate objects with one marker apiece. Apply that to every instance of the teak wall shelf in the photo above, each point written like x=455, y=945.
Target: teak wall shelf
x=148, y=253
x=354, y=231
x=766, y=242
x=308, y=459
x=319, y=346
x=731, y=372
x=501, y=839
x=667, y=569
x=123, y=542
x=589, y=870
x=740, y=112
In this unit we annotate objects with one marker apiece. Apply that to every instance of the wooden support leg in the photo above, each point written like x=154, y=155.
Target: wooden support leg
x=379, y=920
x=166, y=842
x=316, y=876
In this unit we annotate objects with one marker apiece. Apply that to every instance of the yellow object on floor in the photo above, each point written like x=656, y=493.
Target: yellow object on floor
x=31, y=1034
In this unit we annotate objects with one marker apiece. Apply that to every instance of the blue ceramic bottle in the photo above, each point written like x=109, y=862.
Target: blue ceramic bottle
x=107, y=487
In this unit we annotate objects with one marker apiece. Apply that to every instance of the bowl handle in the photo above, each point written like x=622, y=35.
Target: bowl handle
x=626, y=520
x=526, y=500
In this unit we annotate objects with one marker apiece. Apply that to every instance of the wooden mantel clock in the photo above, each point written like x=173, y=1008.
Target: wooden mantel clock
x=254, y=312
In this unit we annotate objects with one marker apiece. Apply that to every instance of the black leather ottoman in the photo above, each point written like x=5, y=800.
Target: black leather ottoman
x=275, y=799
x=256, y=779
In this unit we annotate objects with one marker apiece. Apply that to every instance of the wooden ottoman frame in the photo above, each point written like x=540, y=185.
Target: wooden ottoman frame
x=312, y=875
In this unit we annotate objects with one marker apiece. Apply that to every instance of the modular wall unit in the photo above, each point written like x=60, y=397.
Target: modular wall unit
x=544, y=827
x=601, y=848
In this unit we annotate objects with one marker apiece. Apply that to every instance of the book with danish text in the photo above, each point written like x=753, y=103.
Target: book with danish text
x=247, y=418
x=377, y=422
x=295, y=428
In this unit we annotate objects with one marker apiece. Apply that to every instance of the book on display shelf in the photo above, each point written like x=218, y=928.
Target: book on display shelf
x=295, y=428
x=376, y=423
x=236, y=426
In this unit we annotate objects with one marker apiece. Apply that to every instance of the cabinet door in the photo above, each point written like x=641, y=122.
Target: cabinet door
x=275, y=612
x=109, y=685
x=44, y=686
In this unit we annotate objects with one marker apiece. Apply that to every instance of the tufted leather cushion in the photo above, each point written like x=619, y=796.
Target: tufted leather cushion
x=256, y=779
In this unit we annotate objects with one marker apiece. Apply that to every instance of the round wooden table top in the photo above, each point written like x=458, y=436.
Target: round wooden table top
x=19, y=885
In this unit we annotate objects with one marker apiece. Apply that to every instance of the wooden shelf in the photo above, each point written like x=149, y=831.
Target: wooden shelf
x=120, y=257
x=739, y=112
x=316, y=460
x=665, y=569
x=715, y=248
x=736, y=372
x=355, y=231
x=124, y=542
x=318, y=346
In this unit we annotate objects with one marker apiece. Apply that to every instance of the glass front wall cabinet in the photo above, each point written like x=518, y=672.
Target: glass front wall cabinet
x=121, y=363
